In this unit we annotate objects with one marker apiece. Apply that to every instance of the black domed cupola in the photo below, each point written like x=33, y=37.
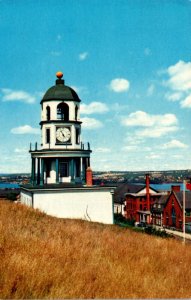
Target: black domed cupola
x=60, y=91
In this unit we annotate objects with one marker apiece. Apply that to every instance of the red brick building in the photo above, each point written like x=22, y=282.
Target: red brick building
x=138, y=204
x=119, y=195
x=167, y=211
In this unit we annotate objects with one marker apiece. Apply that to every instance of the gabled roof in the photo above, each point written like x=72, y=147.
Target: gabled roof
x=162, y=200
x=179, y=197
x=131, y=189
x=142, y=192
x=160, y=203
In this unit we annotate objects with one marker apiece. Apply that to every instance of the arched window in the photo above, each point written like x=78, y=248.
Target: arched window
x=48, y=113
x=63, y=112
x=76, y=113
x=173, y=214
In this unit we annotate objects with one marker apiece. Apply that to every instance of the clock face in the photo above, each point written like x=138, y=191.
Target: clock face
x=63, y=134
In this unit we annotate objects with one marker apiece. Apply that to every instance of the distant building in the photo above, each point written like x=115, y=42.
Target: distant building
x=141, y=203
x=168, y=210
x=61, y=177
x=138, y=202
x=119, y=196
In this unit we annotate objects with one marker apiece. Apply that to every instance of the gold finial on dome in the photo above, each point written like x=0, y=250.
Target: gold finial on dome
x=59, y=74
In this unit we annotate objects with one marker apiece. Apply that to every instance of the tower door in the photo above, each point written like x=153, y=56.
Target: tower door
x=63, y=169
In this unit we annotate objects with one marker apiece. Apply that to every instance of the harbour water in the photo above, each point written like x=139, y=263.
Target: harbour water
x=158, y=187
x=7, y=185
x=166, y=186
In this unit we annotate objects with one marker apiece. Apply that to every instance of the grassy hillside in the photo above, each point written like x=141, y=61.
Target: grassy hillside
x=45, y=257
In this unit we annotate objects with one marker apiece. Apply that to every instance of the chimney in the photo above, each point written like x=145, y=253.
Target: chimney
x=89, y=177
x=175, y=188
x=147, y=191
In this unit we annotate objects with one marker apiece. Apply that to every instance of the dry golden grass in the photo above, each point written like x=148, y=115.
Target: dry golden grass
x=45, y=257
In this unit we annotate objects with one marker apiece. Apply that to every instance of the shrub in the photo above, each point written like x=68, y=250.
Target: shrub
x=120, y=219
x=158, y=232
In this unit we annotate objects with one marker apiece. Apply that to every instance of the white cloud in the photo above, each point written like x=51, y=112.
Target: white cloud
x=80, y=90
x=150, y=90
x=180, y=76
x=11, y=95
x=117, y=107
x=167, y=120
x=131, y=140
x=153, y=156
x=102, y=150
x=156, y=132
x=133, y=147
x=156, y=125
x=93, y=107
x=83, y=56
x=40, y=94
x=174, y=96
x=180, y=83
x=147, y=51
x=186, y=102
x=20, y=150
x=177, y=156
x=138, y=118
x=91, y=123
x=130, y=148
x=119, y=85
x=143, y=119
x=26, y=129
x=174, y=144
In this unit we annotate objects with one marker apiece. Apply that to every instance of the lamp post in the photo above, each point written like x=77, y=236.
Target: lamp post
x=183, y=210
x=186, y=185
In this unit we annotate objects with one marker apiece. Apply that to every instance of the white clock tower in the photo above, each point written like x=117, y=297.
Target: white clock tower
x=62, y=157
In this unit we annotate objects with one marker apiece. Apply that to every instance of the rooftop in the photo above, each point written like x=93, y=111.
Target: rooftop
x=60, y=91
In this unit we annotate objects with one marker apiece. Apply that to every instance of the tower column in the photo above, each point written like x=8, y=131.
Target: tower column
x=72, y=169
x=81, y=168
x=57, y=171
x=88, y=161
x=42, y=172
x=33, y=171
x=75, y=170
x=38, y=170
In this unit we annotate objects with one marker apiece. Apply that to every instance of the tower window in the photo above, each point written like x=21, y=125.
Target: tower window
x=48, y=135
x=63, y=112
x=63, y=169
x=76, y=113
x=48, y=113
x=77, y=135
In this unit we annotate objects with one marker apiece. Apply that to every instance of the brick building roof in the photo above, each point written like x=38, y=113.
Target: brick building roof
x=125, y=188
x=179, y=196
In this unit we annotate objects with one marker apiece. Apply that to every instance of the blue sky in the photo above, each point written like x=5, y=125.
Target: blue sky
x=129, y=61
